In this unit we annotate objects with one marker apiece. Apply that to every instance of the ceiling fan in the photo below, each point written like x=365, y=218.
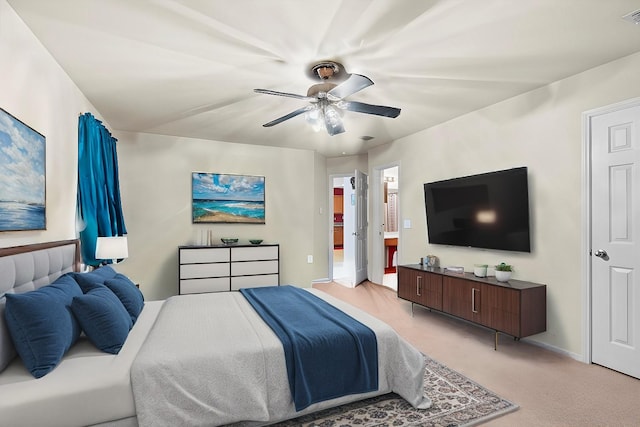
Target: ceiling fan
x=327, y=99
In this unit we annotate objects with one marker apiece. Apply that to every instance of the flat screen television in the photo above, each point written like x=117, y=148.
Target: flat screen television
x=489, y=210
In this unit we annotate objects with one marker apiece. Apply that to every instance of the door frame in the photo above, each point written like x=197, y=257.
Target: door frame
x=376, y=205
x=587, y=259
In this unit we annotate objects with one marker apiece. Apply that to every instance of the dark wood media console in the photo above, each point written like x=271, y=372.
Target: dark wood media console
x=516, y=308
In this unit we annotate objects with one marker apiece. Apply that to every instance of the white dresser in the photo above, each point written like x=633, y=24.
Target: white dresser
x=227, y=268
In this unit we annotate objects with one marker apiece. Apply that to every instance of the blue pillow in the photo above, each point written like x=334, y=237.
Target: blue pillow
x=41, y=324
x=97, y=276
x=128, y=294
x=103, y=318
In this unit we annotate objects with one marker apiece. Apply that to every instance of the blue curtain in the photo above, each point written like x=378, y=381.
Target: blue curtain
x=99, y=205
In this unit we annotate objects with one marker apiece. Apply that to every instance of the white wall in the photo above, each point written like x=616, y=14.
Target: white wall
x=155, y=181
x=541, y=130
x=34, y=89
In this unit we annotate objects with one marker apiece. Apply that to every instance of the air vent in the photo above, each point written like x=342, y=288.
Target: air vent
x=633, y=17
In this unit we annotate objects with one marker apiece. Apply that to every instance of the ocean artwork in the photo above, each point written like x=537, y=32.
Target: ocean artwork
x=224, y=198
x=22, y=176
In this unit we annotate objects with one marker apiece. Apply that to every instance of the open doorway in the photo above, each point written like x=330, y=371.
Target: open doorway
x=343, y=271
x=391, y=205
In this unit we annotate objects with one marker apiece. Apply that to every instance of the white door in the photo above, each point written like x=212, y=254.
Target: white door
x=615, y=233
x=361, y=227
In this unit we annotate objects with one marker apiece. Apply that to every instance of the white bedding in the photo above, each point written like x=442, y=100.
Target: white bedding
x=211, y=360
x=88, y=387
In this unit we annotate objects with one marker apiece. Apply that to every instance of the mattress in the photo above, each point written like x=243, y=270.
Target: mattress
x=87, y=387
x=211, y=360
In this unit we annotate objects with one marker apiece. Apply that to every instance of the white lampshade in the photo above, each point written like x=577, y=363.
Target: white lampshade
x=112, y=248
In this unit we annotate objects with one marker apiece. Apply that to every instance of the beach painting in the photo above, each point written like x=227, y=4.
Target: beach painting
x=224, y=198
x=22, y=176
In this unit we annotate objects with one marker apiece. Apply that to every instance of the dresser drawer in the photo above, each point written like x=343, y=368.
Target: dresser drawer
x=253, y=281
x=200, y=255
x=251, y=253
x=198, y=286
x=254, y=267
x=191, y=271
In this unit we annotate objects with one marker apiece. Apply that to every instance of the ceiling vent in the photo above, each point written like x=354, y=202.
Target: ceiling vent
x=633, y=17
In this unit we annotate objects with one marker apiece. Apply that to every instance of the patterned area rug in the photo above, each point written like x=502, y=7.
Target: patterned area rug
x=457, y=401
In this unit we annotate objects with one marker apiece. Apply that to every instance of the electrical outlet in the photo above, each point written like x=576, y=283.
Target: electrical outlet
x=309, y=259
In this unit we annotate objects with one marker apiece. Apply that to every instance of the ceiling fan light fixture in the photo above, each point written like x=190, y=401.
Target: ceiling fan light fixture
x=313, y=117
x=333, y=120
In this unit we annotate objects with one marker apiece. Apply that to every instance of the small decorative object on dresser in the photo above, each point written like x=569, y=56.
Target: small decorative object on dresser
x=503, y=272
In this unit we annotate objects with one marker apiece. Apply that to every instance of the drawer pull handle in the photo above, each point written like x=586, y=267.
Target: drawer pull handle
x=473, y=300
x=419, y=286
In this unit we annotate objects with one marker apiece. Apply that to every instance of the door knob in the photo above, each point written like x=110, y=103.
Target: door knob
x=601, y=253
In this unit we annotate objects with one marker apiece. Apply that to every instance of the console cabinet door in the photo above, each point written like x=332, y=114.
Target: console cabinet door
x=408, y=285
x=432, y=290
x=420, y=287
x=504, y=309
x=465, y=299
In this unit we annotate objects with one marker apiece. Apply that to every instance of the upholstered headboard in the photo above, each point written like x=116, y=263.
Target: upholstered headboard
x=29, y=267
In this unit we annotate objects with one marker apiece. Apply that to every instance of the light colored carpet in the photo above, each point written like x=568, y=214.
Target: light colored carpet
x=551, y=389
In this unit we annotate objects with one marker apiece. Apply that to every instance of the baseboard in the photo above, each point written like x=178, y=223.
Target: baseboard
x=325, y=280
x=555, y=349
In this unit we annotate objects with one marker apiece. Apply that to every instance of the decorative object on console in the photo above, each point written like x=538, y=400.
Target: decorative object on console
x=480, y=270
x=22, y=198
x=113, y=249
x=431, y=261
x=224, y=198
x=454, y=269
x=255, y=241
x=503, y=272
x=229, y=240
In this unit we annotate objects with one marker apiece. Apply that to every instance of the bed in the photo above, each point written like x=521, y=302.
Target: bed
x=206, y=359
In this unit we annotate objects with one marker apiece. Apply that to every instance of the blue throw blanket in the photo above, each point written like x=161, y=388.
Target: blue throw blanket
x=328, y=353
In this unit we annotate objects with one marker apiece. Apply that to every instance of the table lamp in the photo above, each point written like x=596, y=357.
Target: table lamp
x=113, y=248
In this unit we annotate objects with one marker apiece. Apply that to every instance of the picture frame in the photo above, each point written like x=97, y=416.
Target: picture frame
x=22, y=176
x=227, y=198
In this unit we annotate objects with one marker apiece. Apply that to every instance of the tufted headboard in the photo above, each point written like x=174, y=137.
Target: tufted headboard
x=29, y=267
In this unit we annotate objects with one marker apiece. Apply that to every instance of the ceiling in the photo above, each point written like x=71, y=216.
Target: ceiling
x=188, y=67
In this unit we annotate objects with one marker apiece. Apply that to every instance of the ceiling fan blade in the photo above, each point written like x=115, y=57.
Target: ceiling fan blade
x=361, y=107
x=355, y=83
x=288, y=95
x=289, y=116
